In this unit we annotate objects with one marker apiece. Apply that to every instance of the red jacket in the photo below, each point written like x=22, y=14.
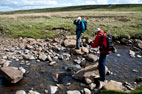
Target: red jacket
x=101, y=42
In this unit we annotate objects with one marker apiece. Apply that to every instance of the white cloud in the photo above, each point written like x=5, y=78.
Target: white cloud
x=127, y=1
x=90, y=2
x=66, y=4
x=39, y=2
x=102, y=1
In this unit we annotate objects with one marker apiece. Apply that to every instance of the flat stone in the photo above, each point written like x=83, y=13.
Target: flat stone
x=12, y=74
x=113, y=85
x=33, y=92
x=87, y=72
x=53, y=89
x=70, y=43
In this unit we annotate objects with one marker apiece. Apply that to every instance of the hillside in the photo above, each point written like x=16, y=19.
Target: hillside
x=120, y=7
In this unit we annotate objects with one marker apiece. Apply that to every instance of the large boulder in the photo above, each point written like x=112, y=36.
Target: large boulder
x=12, y=74
x=113, y=85
x=71, y=43
x=87, y=72
x=92, y=57
x=84, y=50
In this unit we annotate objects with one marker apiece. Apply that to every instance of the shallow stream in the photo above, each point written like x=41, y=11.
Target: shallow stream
x=40, y=74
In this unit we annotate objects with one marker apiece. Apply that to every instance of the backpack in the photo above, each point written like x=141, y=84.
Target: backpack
x=109, y=42
x=83, y=26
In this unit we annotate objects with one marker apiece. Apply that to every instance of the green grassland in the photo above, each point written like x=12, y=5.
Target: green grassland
x=137, y=91
x=123, y=21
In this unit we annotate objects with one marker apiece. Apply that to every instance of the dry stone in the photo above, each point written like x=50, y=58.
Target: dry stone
x=70, y=43
x=113, y=85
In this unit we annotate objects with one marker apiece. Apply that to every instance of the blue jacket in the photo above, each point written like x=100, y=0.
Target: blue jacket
x=80, y=27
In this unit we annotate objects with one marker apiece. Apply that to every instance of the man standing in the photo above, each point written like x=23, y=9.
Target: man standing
x=80, y=28
x=102, y=43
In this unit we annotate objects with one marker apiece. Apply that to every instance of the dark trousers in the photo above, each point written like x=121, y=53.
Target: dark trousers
x=101, y=66
x=78, y=41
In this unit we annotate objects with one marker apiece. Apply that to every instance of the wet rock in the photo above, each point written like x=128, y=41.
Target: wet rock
x=73, y=92
x=20, y=92
x=88, y=80
x=52, y=63
x=138, y=43
x=132, y=53
x=42, y=57
x=118, y=55
x=4, y=63
x=28, y=57
x=92, y=86
x=87, y=72
x=61, y=57
x=22, y=70
x=92, y=58
x=113, y=85
x=139, y=56
x=84, y=50
x=58, y=77
x=77, y=52
x=86, y=91
x=53, y=89
x=139, y=79
x=70, y=43
x=33, y=92
x=12, y=74
x=77, y=61
x=128, y=86
x=49, y=58
x=134, y=70
x=46, y=91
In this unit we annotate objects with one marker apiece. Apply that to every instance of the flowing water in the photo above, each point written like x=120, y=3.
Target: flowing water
x=39, y=75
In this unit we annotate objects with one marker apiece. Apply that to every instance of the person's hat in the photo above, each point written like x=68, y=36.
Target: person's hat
x=98, y=29
x=79, y=18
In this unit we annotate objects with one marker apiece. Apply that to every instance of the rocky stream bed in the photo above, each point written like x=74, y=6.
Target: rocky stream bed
x=53, y=66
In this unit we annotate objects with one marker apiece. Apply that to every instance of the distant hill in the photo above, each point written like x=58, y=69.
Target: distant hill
x=111, y=7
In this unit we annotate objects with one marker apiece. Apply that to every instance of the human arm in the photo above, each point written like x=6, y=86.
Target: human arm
x=96, y=42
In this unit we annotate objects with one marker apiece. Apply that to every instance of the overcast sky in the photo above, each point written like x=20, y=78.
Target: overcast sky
x=10, y=5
